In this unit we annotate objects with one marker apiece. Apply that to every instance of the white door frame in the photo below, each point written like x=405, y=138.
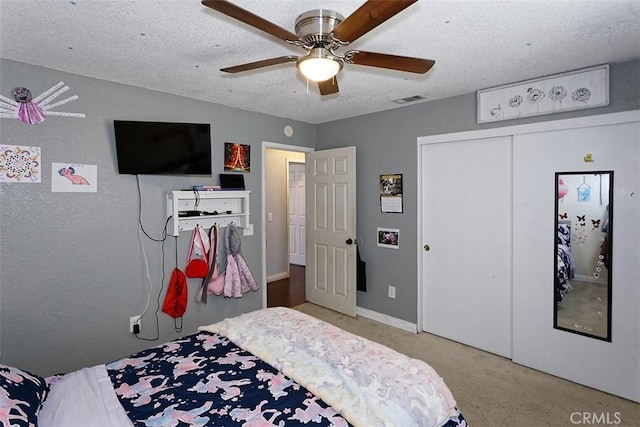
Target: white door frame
x=263, y=207
x=588, y=121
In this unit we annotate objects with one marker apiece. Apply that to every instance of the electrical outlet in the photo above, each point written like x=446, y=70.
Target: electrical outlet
x=134, y=320
x=392, y=291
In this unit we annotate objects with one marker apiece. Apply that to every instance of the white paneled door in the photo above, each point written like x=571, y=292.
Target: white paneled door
x=466, y=240
x=331, y=229
x=297, y=232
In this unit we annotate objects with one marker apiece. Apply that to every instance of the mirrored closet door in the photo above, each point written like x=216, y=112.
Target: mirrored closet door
x=575, y=255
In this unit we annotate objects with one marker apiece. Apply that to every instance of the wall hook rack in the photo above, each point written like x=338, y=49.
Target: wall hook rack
x=219, y=208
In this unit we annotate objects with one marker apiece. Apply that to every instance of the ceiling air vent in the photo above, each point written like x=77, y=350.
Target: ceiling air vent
x=409, y=99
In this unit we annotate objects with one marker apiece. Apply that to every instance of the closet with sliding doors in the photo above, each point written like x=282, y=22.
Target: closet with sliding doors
x=497, y=207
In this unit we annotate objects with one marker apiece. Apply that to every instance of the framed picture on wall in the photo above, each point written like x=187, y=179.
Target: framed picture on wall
x=388, y=237
x=391, y=193
x=237, y=157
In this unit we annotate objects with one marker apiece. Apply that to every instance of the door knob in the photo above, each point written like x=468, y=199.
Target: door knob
x=349, y=242
x=426, y=247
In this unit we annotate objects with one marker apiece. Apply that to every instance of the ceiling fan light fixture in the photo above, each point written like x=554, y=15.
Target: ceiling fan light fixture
x=319, y=65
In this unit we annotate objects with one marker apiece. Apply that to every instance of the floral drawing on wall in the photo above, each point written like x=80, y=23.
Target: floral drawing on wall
x=20, y=164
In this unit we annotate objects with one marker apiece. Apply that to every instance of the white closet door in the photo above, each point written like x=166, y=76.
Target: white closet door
x=466, y=273
x=609, y=366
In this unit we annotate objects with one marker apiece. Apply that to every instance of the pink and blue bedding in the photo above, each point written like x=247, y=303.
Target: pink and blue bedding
x=21, y=396
x=205, y=379
x=565, y=264
x=271, y=367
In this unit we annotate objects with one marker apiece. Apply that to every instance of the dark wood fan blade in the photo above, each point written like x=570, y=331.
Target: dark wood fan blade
x=393, y=62
x=367, y=17
x=328, y=87
x=259, y=64
x=229, y=9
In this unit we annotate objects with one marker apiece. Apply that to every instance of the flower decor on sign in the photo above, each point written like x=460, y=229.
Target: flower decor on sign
x=35, y=110
x=557, y=94
x=496, y=112
x=515, y=102
x=586, y=88
x=19, y=164
x=535, y=96
x=581, y=95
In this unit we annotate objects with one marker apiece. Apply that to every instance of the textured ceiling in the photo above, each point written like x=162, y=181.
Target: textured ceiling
x=178, y=46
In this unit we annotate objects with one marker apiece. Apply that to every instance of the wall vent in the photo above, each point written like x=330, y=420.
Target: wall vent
x=409, y=99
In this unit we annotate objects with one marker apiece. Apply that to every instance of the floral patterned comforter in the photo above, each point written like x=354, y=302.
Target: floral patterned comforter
x=367, y=383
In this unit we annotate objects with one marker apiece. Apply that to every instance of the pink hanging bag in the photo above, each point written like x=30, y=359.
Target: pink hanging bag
x=197, y=257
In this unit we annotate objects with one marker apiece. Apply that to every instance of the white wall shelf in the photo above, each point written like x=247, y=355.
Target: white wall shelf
x=208, y=202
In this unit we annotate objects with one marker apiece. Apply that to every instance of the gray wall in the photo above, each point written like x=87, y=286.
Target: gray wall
x=71, y=266
x=386, y=143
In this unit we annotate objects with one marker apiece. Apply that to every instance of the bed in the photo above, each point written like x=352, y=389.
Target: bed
x=271, y=367
x=565, y=264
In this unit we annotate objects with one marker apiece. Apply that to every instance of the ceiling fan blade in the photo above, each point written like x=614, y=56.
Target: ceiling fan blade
x=229, y=9
x=259, y=64
x=367, y=17
x=328, y=87
x=392, y=62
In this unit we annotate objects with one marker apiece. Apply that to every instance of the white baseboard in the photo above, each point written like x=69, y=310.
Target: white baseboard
x=278, y=276
x=387, y=320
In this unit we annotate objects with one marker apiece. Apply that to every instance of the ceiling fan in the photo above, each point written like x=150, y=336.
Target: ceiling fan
x=321, y=33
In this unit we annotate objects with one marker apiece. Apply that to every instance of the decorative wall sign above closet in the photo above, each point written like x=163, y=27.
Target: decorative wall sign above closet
x=586, y=88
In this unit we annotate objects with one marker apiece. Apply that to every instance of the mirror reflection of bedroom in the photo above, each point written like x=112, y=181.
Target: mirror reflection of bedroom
x=583, y=227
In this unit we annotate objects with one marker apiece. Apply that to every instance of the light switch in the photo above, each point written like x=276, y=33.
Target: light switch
x=270, y=216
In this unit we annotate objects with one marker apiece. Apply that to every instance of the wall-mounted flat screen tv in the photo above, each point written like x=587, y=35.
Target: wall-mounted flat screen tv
x=161, y=148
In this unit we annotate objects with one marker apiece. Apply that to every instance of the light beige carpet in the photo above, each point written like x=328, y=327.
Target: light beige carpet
x=491, y=390
x=584, y=308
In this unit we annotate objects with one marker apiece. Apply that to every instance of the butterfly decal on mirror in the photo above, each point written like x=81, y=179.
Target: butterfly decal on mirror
x=582, y=220
x=595, y=222
x=563, y=216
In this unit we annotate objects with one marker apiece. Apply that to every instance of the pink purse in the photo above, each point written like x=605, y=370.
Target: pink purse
x=196, y=259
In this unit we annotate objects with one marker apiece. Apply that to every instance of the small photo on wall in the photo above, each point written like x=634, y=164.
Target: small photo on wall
x=237, y=157
x=74, y=178
x=388, y=237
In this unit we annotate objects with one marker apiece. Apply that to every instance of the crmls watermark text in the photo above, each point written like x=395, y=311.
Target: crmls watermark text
x=596, y=418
